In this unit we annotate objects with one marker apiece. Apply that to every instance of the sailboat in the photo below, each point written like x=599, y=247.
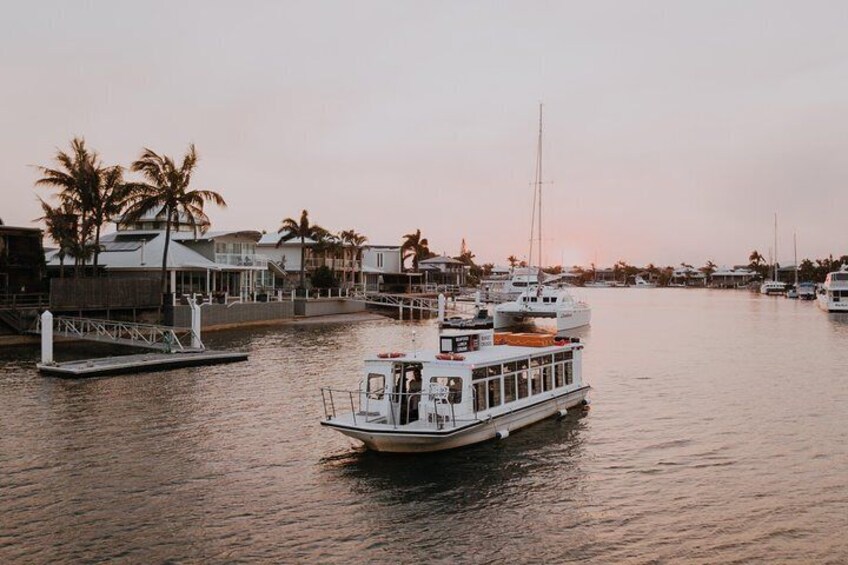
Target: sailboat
x=539, y=300
x=773, y=286
x=793, y=292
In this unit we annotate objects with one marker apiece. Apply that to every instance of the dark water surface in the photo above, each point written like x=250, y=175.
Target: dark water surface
x=719, y=433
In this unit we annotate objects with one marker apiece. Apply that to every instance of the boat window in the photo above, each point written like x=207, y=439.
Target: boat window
x=454, y=385
x=519, y=283
x=494, y=370
x=509, y=388
x=536, y=381
x=559, y=375
x=494, y=392
x=523, y=389
x=376, y=386
x=523, y=364
x=547, y=378
x=545, y=359
x=479, y=373
x=569, y=373
x=511, y=367
x=536, y=361
x=479, y=396
x=559, y=356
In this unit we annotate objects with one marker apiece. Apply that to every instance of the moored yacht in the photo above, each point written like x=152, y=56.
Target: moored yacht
x=544, y=302
x=478, y=386
x=640, y=282
x=833, y=295
x=806, y=291
x=772, y=287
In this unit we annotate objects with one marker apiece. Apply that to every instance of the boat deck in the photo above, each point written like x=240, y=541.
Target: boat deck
x=141, y=363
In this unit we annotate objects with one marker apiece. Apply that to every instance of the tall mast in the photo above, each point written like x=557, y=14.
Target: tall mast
x=775, y=247
x=795, y=244
x=539, y=183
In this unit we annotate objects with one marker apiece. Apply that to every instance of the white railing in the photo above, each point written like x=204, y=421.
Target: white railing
x=150, y=336
x=334, y=264
x=402, y=406
x=241, y=260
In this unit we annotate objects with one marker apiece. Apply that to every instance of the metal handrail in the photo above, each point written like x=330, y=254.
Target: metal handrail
x=399, y=401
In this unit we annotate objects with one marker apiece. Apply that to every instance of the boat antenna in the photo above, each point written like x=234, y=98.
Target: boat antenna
x=536, y=229
x=775, y=247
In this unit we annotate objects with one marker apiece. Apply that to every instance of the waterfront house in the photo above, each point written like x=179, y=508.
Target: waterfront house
x=203, y=262
x=382, y=270
x=443, y=270
x=688, y=276
x=732, y=277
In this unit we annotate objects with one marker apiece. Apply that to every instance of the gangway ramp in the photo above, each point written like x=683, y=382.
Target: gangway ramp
x=149, y=336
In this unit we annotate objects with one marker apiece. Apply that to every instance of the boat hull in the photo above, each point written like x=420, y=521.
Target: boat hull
x=402, y=441
x=573, y=319
x=829, y=305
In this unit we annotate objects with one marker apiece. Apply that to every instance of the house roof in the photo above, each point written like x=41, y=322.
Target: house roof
x=273, y=238
x=440, y=260
x=211, y=235
x=125, y=250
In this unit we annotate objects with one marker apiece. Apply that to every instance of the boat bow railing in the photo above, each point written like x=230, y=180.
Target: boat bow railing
x=367, y=407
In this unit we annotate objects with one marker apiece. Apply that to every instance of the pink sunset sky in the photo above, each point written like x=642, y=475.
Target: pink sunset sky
x=673, y=130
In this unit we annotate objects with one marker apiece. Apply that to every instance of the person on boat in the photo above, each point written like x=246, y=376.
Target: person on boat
x=414, y=390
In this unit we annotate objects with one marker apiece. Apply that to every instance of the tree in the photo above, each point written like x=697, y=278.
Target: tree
x=62, y=227
x=512, y=260
x=709, y=268
x=303, y=230
x=76, y=177
x=108, y=200
x=416, y=248
x=356, y=241
x=167, y=193
x=323, y=277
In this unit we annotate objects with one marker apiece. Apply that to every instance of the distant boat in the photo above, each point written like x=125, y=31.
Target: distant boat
x=544, y=302
x=640, y=282
x=773, y=286
x=807, y=291
x=833, y=296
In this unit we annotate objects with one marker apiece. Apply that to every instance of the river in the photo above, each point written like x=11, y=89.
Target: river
x=718, y=433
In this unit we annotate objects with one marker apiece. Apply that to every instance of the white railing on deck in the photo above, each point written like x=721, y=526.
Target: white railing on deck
x=241, y=260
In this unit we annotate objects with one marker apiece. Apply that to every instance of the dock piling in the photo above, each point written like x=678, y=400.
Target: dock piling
x=47, y=338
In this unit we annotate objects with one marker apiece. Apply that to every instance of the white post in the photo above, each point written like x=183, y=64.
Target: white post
x=442, y=305
x=400, y=311
x=47, y=338
x=195, y=325
x=293, y=295
x=477, y=299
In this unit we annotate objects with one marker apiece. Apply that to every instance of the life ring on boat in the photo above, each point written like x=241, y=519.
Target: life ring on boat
x=392, y=355
x=562, y=342
x=450, y=357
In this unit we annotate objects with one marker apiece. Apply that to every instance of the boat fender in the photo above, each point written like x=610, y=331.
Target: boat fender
x=502, y=434
x=563, y=413
x=586, y=404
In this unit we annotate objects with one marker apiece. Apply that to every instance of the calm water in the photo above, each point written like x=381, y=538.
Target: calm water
x=719, y=433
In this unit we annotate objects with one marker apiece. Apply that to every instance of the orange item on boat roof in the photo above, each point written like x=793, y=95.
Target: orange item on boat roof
x=500, y=338
x=530, y=339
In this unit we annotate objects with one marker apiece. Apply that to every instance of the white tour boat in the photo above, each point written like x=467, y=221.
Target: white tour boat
x=544, y=302
x=468, y=391
x=833, y=295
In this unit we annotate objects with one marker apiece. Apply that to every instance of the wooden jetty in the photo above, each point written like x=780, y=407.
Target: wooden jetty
x=145, y=362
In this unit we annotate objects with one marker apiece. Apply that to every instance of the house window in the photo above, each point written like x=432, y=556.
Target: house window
x=379, y=260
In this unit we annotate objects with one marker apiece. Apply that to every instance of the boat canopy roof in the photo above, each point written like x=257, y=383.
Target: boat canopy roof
x=485, y=356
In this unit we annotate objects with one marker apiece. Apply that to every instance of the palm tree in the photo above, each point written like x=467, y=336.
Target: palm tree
x=108, y=200
x=416, y=248
x=356, y=241
x=512, y=260
x=77, y=178
x=755, y=258
x=62, y=227
x=167, y=193
x=304, y=230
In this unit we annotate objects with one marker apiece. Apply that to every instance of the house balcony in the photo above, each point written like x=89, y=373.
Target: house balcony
x=333, y=264
x=241, y=260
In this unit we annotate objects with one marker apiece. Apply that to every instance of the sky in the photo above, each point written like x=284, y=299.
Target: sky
x=673, y=130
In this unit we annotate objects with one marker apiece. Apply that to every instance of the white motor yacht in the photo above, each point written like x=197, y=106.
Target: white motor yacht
x=640, y=282
x=833, y=295
x=468, y=391
x=772, y=287
x=544, y=302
